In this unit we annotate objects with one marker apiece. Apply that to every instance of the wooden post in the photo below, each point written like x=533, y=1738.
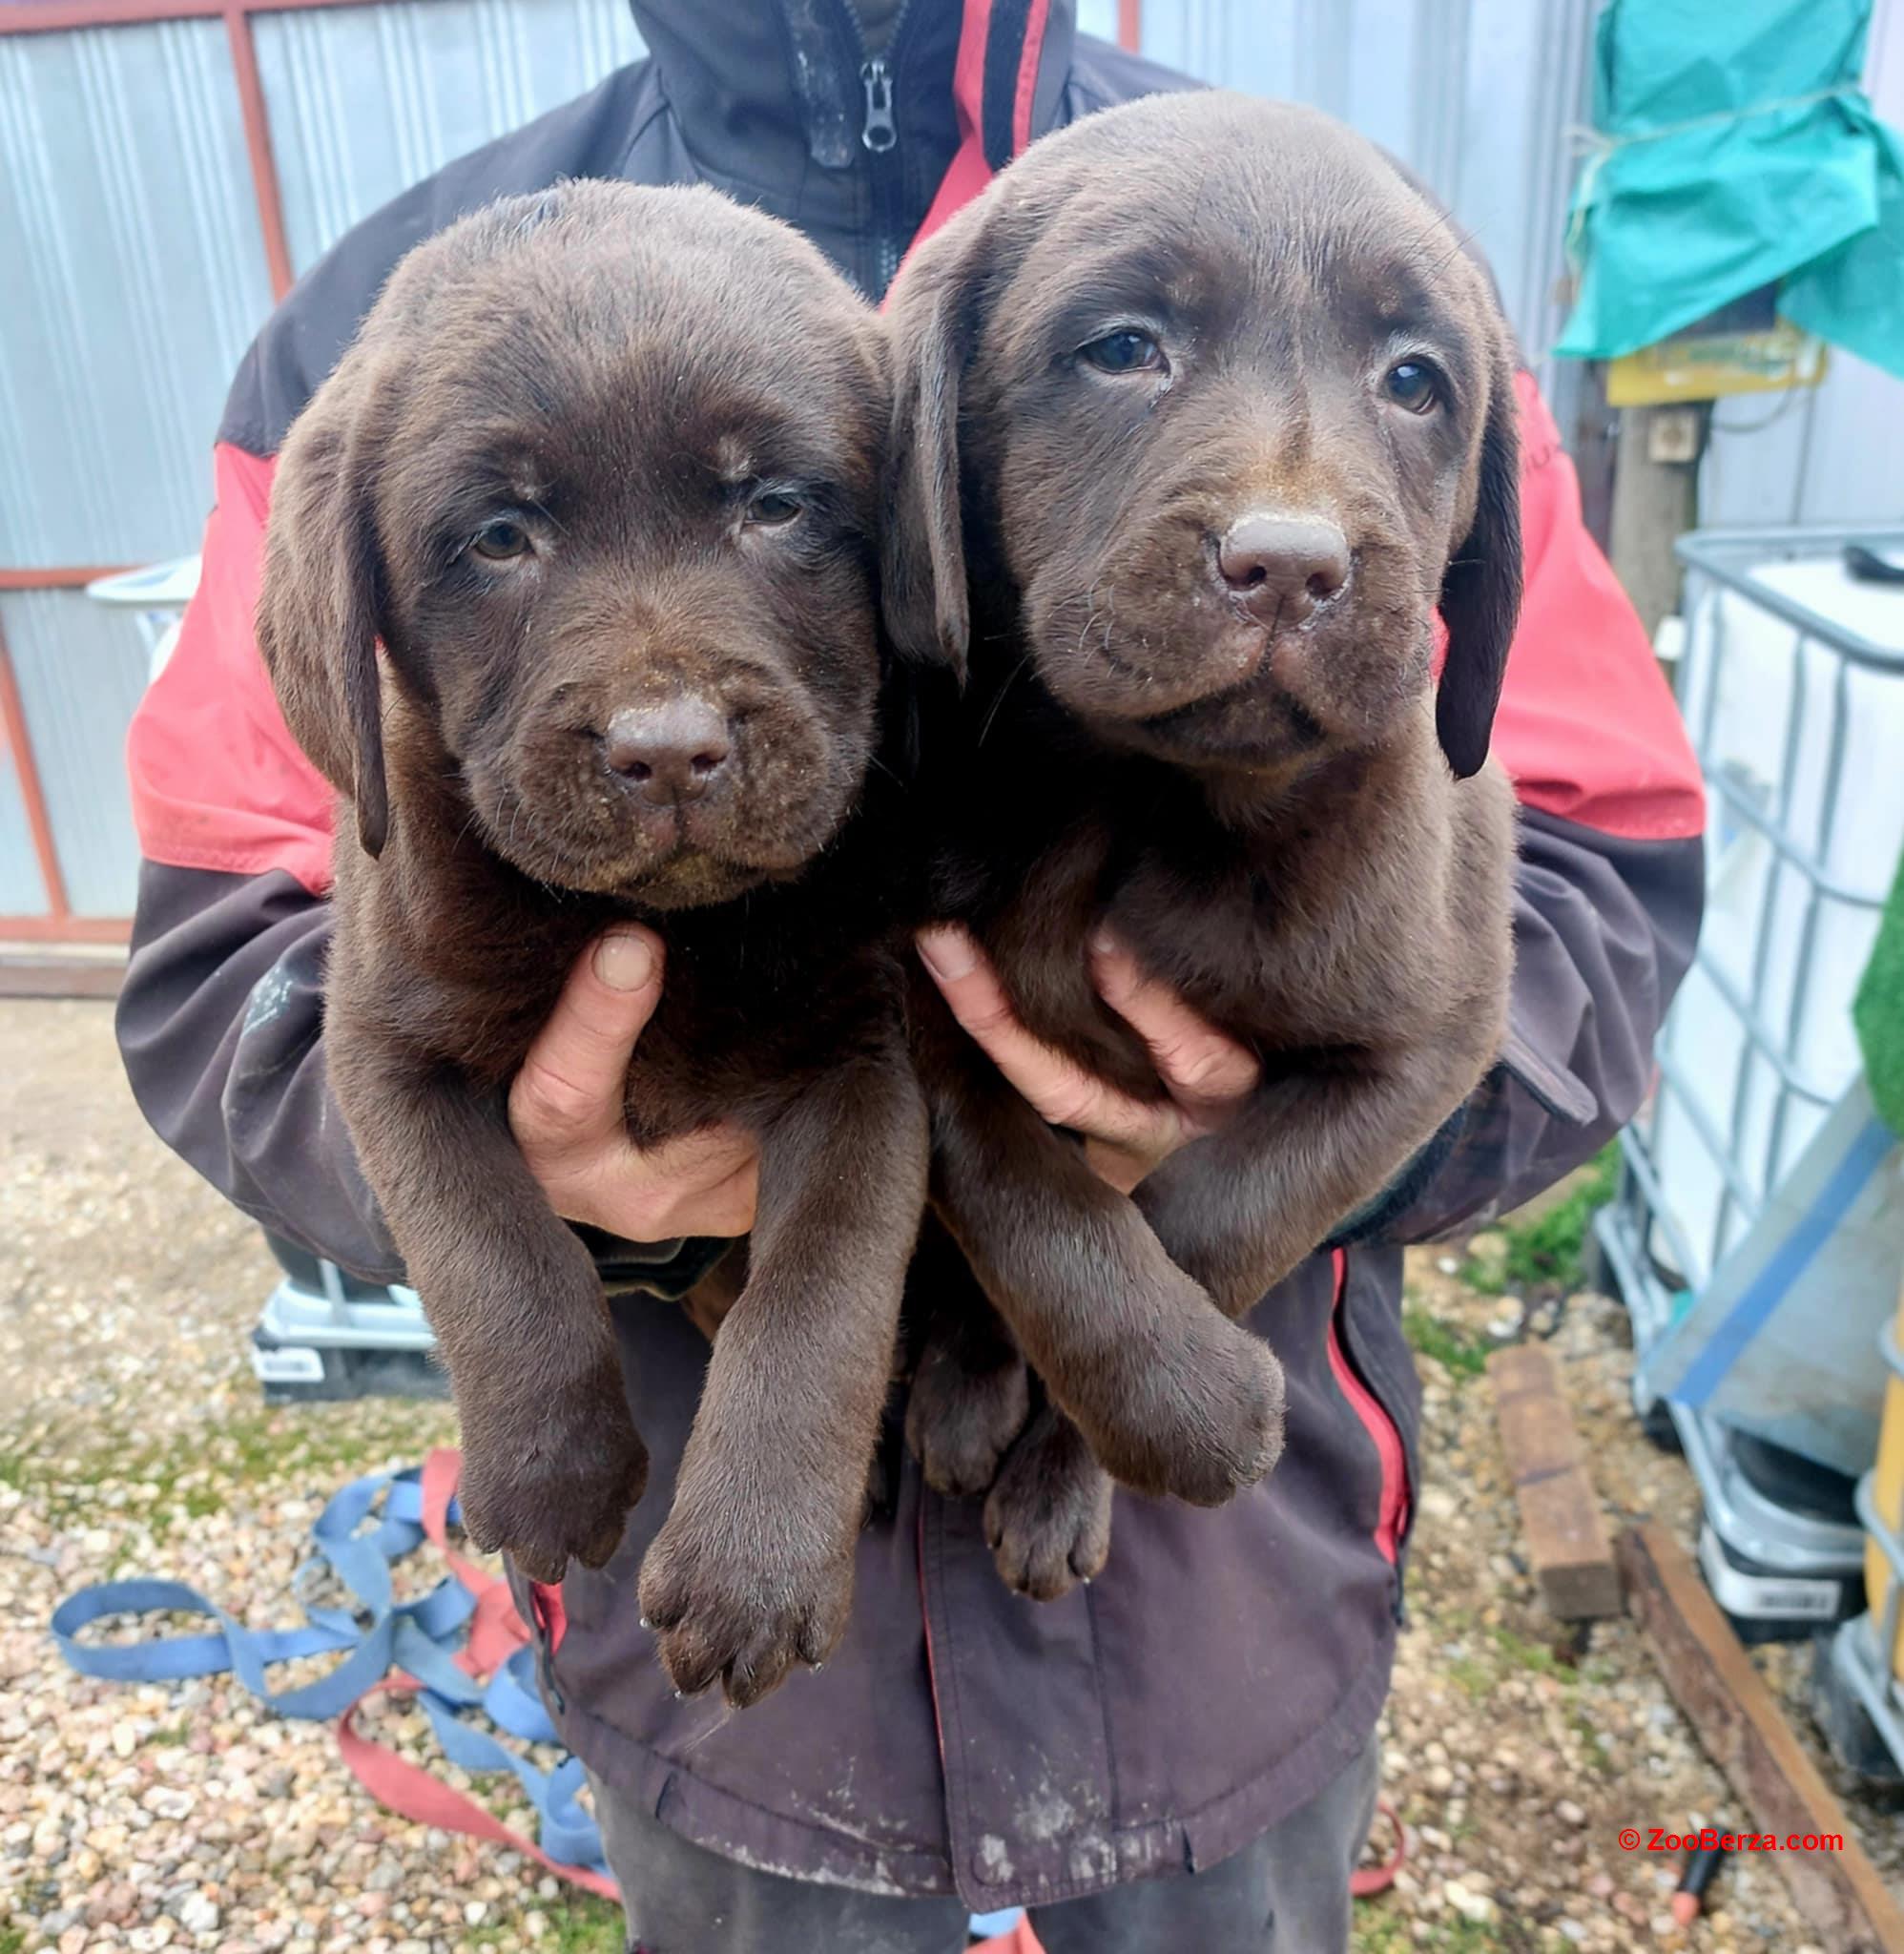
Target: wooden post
x=1655, y=502
x=1838, y=1890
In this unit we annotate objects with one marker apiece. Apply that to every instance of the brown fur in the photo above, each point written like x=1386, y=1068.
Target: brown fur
x=620, y=373
x=1269, y=805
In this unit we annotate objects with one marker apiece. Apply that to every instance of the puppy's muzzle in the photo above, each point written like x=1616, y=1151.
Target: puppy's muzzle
x=1279, y=570
x=668, y=754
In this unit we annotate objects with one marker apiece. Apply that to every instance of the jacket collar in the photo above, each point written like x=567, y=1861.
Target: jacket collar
x=774, y=100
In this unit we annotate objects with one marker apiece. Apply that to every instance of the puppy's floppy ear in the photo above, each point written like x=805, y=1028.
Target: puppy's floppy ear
x=1480, y=590
x=317, y=612
x=923, y=549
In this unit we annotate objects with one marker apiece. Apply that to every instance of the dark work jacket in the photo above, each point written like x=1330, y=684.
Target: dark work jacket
x=1227, y=1664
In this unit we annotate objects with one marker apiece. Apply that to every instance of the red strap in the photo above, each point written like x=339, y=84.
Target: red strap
x=411, y=1792
x=1020, y=1941
x=496, y=1631
x=1367, y=1881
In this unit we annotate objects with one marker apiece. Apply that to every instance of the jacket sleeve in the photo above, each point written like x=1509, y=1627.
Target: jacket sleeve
x=221, y=1015
x=1610, y=881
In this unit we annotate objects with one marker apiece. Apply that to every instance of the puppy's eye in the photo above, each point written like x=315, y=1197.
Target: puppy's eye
x=1414, y=384
x=773, y=507
x=501, y=541
x=1127, y=350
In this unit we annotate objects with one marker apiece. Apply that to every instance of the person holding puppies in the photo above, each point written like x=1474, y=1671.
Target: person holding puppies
x=1180, y=1754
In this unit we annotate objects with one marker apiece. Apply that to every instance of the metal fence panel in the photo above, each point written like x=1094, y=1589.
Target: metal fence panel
x=22, y=891
x=136, y=280
x=366, y=100
x=81, y=670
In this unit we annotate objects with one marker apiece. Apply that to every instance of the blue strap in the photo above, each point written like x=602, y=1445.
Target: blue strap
x=364, y=1528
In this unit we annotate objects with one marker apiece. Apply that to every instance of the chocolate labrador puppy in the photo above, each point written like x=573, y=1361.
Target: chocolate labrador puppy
x=570, y=590
x=1202, y=412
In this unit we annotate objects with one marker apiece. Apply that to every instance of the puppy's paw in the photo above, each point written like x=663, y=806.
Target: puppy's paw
x=743, y=1612
x=552, y=1480
x=1200, y=1418
x=959, y=1421
x=1047, y=1521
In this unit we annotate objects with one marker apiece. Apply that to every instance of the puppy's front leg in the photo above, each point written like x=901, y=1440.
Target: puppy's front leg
x=754, y=1569
x=552, y=1461
x=1240, y=1208
x=1171, y=1398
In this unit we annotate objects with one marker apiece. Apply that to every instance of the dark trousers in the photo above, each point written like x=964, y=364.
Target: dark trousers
x=1286, y=1894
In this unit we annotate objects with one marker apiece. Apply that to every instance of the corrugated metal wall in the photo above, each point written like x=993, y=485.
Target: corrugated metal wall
x=366, y=100
x=136, y=280
x=126, y=204
x=22, y=891
x=125, y=200
x=1830, y=454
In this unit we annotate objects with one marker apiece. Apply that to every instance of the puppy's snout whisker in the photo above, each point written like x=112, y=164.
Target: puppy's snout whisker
x=673, y=752
x=1281, y=569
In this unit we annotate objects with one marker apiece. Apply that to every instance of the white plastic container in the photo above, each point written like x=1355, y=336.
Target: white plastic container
x=1803, y=750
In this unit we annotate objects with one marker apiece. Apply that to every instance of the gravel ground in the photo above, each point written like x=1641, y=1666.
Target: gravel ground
x=131, y=1438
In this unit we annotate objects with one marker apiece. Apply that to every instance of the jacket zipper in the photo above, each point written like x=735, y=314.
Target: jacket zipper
x=879, y=136
x=1391, y=1517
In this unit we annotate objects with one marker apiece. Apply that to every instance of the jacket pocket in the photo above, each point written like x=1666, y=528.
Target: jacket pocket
x=1380, y=1387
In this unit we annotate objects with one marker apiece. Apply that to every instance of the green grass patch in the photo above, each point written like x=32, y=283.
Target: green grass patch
x=1522, y=1654
x=13, y=1940
x=1458, y=1350
x=166, y=1487
x=1468, y=1672
x=1544, y=1256
x=1376, y=1931
x=582, y=1925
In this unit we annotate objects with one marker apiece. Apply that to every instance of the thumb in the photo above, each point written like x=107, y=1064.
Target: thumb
x=572, y=1083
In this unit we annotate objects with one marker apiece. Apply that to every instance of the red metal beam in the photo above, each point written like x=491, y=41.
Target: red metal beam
x=50, y=16
x=13, y=731
x=1130, y=25
x=258, y=147
x=60, y=576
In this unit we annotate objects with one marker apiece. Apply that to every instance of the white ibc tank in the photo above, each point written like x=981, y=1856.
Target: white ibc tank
x=1815, y=744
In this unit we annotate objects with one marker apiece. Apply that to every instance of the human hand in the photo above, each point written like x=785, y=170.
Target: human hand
x=1206, y=1075
x=566, y=1111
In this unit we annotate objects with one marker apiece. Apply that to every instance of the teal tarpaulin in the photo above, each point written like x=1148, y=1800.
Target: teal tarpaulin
x=1733, y=148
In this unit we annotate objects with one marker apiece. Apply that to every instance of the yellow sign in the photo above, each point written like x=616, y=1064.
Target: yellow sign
x=1704, y=365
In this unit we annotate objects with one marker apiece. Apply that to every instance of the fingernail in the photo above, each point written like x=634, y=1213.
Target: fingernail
x=624, y=959
x=1104, y=944
x=947, y=953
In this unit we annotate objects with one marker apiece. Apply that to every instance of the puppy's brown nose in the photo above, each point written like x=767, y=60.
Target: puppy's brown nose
x=1279, y=568
x=672, y=752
